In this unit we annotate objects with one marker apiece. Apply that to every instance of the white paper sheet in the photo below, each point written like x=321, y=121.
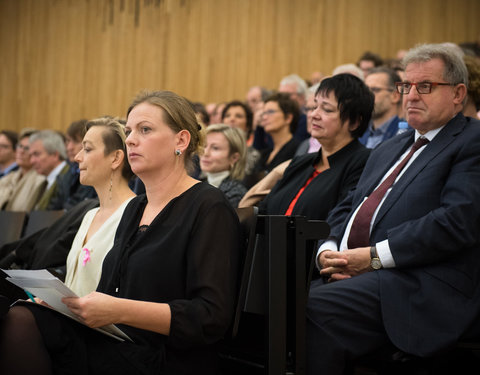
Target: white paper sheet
x=44, y=285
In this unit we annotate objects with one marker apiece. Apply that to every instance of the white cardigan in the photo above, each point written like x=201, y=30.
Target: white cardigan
x=83, y=277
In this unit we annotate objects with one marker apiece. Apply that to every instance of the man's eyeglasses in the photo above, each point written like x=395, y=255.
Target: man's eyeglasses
x=422, y=87
x=376, y=90
x=22, y=147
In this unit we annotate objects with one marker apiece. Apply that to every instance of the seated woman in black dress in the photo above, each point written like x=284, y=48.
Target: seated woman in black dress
x=223, y=161
x=314, y=183
x=169, y=280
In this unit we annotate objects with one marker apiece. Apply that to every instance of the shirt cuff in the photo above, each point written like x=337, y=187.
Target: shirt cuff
x=327, y=245
x=385, y=255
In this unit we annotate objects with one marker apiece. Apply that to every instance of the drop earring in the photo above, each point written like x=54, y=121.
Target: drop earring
x=110, y=190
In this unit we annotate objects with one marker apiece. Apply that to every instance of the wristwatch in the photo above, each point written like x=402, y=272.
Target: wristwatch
x=375, y=262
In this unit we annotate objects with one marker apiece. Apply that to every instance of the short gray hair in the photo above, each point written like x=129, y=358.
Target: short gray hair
x=350, y=69
x=52, y=142
x=455, y=71
x=296, y=79
x=312, y=90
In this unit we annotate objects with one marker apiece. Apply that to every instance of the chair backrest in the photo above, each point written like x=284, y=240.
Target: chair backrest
x=274, y=290
x=11, y=226
x=248, y=221
x=40, y=219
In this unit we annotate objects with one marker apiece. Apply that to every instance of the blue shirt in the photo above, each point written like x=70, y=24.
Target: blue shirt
x=12, y=167
x=376, y=136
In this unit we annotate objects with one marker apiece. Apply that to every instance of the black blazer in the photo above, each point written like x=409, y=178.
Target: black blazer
x=285, y=153
x=325, y=190
x=431, y=219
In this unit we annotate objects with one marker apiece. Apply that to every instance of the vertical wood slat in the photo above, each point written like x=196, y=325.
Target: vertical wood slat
x=68, y=59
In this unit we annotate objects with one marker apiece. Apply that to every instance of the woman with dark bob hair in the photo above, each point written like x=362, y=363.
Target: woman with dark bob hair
x=168, y=282
x=238, y=115
x=279, y=119
x=314, y=183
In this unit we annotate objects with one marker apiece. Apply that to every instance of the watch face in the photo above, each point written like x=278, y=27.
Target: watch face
x=376, y=264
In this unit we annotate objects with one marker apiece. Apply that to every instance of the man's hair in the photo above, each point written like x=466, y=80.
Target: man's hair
x=77, y=129
x=354, y=98
x=26, y=133
x=296, y=79
x=11, y=136
x=391, y=74
x=312, y=90
x=455, y=71
x=264, y=92
x=349, y=68
x=52, y=142
x=370, y=56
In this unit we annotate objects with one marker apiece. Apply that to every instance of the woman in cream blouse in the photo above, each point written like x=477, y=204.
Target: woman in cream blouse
x=103, y=164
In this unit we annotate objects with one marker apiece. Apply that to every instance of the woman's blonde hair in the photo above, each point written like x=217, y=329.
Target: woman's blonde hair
x=236, y=142
x=178, y=114
x=113, y=137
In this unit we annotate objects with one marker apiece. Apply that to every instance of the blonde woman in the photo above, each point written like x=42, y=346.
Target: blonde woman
x=103, y=164
x=223, y=161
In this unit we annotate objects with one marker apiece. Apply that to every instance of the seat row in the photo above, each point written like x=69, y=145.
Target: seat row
x=17, y=224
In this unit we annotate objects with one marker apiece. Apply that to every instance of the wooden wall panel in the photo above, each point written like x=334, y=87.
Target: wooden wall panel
x=67, y=59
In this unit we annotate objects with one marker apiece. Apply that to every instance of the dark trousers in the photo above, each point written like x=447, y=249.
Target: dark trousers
x=343, y=323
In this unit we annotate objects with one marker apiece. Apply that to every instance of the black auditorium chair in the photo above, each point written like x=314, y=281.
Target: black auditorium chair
x=11, y=226
x=40, y=219
x=268, y=333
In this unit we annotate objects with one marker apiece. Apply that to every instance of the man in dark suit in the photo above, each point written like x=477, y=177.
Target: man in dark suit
x=402, y=264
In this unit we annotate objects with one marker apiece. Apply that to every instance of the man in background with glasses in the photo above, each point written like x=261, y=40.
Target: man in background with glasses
x=402, y=265
x=384, y=123
x=8, y=143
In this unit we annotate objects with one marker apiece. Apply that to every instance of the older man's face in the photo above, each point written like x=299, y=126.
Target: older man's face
x=42, y=161
x=254, y=96
x=426, y=112
x=292, y=90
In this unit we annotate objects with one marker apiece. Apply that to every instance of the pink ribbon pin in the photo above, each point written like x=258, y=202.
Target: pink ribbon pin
x=86, y=256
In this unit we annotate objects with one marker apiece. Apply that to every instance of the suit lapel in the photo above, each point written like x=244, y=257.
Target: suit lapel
x=432, y=150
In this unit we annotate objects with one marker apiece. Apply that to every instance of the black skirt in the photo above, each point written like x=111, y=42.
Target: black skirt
x=77, y=349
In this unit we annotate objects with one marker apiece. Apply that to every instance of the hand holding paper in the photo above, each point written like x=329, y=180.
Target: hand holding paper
x=42, y=284
x=95, y=309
